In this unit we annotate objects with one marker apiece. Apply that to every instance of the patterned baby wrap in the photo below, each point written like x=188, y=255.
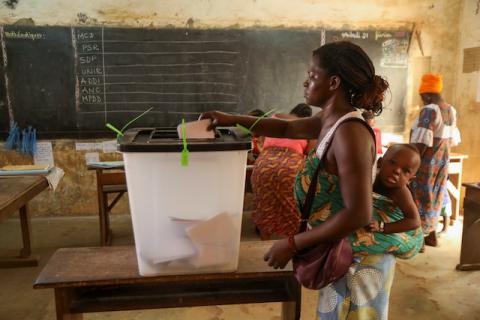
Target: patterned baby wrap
x=328, y=200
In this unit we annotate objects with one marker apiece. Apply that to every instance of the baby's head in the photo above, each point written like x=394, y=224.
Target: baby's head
x=302, y=110
x=398, y=165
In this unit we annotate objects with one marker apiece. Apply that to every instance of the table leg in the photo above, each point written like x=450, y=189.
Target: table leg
x=62, y=302
x=102, y=212
x=26, y=232
x=291, y=309
x=456, y=209
x=24, y=259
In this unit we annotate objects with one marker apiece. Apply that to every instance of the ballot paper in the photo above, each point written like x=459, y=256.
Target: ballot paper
x=214, y=240
x=176, y=248
x=168, y=243
x=196, y=130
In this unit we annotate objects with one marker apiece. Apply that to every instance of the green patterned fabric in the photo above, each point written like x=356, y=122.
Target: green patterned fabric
x=328, y=200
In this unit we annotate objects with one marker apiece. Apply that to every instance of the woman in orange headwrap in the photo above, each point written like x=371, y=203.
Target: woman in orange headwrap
x=432, y=133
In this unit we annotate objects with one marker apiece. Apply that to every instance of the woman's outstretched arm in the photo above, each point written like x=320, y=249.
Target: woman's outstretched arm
x=305, y=128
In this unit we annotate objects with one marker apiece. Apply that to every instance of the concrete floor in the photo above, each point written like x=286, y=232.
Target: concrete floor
x=427, y=287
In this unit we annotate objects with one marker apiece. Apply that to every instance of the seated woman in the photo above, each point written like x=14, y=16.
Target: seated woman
x=273, y=176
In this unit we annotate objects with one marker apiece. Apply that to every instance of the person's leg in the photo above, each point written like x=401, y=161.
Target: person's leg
x=429, y=225
x=446, y=209
x=431, y=240
x=446, y=223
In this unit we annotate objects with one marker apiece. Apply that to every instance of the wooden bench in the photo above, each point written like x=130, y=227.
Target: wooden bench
x=106, y=279
x=15, y=193
x=108, y=182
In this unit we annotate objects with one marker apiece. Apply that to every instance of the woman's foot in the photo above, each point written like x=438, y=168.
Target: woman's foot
x=446, y=223
x=431, y=239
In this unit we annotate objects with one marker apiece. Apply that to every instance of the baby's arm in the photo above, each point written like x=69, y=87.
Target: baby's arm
x=403, y=199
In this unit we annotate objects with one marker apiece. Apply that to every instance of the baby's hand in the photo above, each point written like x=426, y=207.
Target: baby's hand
x=374, y=226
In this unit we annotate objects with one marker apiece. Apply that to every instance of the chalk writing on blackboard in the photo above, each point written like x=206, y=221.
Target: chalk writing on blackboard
x=26, y=35
x=354, y=35
x=89, y=71
x=118, y=74
x=394, y=49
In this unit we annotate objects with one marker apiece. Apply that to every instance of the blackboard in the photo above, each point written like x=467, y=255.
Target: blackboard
x=70, y=81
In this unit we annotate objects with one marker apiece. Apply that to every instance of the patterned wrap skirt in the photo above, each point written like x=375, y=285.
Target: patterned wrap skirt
x=273, y=178
x=362, y=294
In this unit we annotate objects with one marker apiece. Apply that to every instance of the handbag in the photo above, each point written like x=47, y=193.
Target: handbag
x=318, y=266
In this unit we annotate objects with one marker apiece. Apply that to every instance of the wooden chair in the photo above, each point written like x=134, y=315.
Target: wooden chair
x=107, y=183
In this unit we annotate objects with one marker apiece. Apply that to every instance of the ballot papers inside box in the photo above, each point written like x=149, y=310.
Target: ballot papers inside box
x=196, y=245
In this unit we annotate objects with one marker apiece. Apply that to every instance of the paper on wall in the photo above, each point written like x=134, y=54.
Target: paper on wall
x=109, y=146
x=99, y=146
x=92, y=157
x=44, y=153
x=84, y=146
x=89, y=146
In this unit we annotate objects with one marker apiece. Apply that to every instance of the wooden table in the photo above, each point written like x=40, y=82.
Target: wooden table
x=106, y=279
x=108, y=182
x=15, y=193
x=454, y=184
x=470, y=250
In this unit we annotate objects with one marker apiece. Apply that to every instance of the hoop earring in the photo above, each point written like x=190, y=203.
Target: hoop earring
x=352, y=98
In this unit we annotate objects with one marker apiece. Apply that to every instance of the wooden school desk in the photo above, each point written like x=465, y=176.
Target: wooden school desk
x=108, y=182
x=454, y=184
x=106, y=279
x=15, y=193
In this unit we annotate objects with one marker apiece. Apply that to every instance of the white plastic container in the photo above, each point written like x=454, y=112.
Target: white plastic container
x=186, y=219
